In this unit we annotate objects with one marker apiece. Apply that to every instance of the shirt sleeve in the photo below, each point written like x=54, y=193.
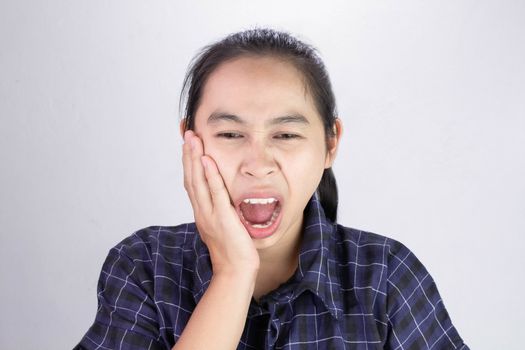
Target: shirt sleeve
x=417, y=318
x=127, y=316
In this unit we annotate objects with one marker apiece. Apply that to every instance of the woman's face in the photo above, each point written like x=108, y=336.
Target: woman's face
x=260, y=125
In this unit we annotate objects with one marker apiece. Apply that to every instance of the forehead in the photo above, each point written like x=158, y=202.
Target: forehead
x=256, y=88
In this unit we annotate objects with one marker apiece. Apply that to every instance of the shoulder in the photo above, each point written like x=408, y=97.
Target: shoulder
x=381, y=255
x=151, y=240
x=151, y=252
x=368, y=245
x=379, y=264
x=386, y=277
x=141, y=277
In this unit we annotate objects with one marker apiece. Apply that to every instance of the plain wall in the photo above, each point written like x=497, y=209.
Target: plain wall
x=431, y=94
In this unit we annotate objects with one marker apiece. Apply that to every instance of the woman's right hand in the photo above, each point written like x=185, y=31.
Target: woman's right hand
x=230, y=245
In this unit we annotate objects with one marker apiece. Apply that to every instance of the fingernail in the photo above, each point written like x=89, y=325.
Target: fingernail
x=193, y=143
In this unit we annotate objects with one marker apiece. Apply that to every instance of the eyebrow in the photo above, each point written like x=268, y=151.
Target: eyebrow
x=217, y=117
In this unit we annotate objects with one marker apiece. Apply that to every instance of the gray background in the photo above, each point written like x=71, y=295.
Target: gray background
x=431, y=93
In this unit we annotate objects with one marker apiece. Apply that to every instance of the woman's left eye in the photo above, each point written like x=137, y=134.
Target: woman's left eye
x=287, y=136
x=229, y=135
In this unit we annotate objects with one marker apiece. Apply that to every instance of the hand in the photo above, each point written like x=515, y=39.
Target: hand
x=230, y=245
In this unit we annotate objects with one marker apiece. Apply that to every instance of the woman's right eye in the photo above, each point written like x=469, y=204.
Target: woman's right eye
x=229, y=135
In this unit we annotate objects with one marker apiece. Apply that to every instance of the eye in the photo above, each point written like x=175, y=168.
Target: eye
x=229, y=135
x=287, y=136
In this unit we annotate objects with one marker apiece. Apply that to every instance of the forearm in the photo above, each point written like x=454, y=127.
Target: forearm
x=219, y=318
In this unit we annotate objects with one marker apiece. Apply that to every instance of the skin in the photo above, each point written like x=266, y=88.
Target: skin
x=229, y=159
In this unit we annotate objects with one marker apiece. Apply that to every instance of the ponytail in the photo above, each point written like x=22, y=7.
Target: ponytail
x=328, y=194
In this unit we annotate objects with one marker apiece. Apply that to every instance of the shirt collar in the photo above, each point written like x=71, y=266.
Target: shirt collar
x=317, y=269
x=317, y=266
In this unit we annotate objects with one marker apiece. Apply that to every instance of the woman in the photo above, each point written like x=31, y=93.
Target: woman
x=264, y=265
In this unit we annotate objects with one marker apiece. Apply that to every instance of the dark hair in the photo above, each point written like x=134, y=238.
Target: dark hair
x=269, y=42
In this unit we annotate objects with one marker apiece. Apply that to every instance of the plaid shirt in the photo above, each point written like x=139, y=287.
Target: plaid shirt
x=352, y=290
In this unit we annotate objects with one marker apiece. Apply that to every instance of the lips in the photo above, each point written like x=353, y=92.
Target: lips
x=264, y=230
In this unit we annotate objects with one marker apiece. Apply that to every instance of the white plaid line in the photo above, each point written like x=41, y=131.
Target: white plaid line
x=115, y=307
x=99, y=346
x=365, y=287
x=162, y=321
x=138, y=312
x=383, y=266
x=409, y=297
x=441, y=336
x=410, y=310
x=401, y=261
x=361, y=265
x=425, y=294
x=180, y=284
x=395, y=334
x=122, y=340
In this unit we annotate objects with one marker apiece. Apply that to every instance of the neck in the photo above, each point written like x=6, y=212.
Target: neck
x=278, y=263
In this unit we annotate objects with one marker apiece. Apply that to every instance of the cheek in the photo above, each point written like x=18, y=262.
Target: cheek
x=310, y=159
x=310, y=163
x=225, y=164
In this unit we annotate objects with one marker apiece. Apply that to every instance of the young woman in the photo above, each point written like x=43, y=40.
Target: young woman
x=265, y=264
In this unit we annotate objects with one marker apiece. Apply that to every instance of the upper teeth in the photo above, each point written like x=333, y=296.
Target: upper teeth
x=259, y=200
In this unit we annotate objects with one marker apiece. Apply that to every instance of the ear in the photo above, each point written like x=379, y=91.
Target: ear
x=181, y=127
x=333, y=143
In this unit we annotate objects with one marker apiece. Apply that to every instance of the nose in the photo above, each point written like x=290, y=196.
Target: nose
x=259, y=160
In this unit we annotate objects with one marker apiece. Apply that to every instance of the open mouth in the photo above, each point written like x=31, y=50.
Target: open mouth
x=260, y=216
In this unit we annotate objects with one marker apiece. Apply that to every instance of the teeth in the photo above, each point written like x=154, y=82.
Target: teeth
x=259, y=200
x=261, y=226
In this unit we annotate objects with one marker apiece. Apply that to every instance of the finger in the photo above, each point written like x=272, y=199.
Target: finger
x=186, y=164
x=219, y=193
x=200, y=188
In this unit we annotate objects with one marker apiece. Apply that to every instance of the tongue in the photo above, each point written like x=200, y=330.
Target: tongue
x=258, y=213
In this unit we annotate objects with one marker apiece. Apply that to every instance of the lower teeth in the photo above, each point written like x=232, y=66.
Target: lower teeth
x=261, y=225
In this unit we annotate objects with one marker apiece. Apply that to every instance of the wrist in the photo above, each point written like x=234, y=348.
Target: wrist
x=236, y=275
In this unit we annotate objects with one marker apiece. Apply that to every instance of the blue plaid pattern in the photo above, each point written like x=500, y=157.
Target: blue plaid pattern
x=352, y=290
